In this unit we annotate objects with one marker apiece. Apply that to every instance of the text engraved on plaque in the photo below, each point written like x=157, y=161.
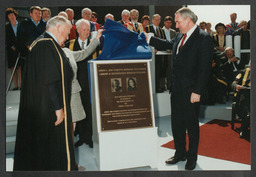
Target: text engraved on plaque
x=124, y=95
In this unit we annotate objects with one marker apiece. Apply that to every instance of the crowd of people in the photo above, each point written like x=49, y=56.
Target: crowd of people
x=68, y=41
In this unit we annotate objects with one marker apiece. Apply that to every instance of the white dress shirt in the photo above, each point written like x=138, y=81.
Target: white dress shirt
x=80, y=42
x=188, y=35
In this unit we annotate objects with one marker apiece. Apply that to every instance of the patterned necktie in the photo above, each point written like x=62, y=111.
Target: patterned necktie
x=82, y=45
x=183, y=39
x=157, y=32
x=136, y=26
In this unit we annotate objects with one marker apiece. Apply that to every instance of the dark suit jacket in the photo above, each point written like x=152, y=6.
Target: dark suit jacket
x=227, y=69
x=11, y=41
x=82, y=70
x=92, y=26
x=192, y=65
x=121, y=22
x=27, y=33
x=150, y=29
x=216, y=40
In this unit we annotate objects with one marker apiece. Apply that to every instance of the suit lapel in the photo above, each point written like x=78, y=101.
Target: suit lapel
x=190, y=40
x=179, y=37
x=76, y=45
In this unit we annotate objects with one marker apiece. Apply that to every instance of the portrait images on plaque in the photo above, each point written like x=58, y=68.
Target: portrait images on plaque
x=124, y=96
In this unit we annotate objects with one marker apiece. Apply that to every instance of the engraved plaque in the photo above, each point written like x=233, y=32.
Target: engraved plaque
x=124, y=96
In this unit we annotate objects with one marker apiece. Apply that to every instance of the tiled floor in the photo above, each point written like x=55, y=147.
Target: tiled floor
x=87, y=162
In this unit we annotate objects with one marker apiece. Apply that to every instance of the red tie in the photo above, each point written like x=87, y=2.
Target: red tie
x=183, y=39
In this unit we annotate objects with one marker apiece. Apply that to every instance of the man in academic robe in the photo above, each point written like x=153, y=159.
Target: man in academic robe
x=134, y=25
x=242, y=87
x=244, y=33
x=44, y=139
x=83, y=127
x=86, y=14
x=71, y=14
x=233, y=26
x=192, y=58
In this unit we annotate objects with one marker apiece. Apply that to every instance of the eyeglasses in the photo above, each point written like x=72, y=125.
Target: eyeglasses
x=94, y=17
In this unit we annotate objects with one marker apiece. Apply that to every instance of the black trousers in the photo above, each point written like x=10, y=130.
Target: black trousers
x=184, y=118
x=84, y=127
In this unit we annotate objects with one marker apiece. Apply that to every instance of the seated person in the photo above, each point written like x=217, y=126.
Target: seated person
x=217, y=86
x=230, y=67
x=219, y=38
x=242, y=86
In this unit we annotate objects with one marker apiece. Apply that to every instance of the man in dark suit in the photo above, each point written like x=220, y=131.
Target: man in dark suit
x=30, y=29
x=159, y=59
x=191, y=66
x=83, y=127
x=230, y=68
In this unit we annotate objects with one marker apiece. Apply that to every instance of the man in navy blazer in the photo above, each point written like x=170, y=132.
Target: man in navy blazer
x=191, y=66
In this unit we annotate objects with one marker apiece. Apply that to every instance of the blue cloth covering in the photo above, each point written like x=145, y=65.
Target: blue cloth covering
x=121, y=43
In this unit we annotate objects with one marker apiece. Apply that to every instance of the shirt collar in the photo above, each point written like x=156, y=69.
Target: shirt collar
x=154, y=27
x=16, y=24
x=52, y=36
x=134, y=22
x=166, y=29
x=191, y=31
x=80, y=42
x=35, y=22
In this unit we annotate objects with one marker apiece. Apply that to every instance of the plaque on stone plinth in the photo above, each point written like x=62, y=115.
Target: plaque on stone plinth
x=124, y=96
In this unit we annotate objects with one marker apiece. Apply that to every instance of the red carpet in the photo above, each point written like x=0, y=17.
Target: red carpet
x=218, y=140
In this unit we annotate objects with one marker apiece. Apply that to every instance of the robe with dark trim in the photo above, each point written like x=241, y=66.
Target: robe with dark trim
x=46, y=87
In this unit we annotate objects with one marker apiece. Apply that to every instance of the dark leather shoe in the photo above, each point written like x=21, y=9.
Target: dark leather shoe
x=190, y=165
x=79, y=143
x=174, y=160
x=16, y=88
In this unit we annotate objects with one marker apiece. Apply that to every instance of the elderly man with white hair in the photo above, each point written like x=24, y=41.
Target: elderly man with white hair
x=110, y=16
x=77, y=109
x=84, y=126
x=86, y=14
x=63, y=14
x=134, y=25
x=71, y=14
x=125, y=17
x=44, y=139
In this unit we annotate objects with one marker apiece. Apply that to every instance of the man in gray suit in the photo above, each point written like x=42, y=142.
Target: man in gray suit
x=169, y=32
x=192, y=52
